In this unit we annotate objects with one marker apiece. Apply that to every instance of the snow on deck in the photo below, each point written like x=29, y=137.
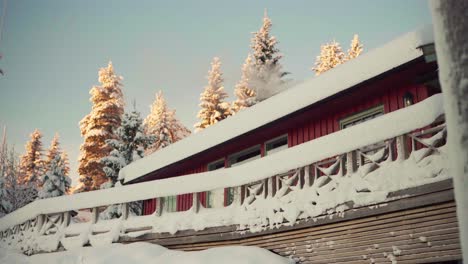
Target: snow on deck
x=376, y=130
x=345, y=76
x=147, y=253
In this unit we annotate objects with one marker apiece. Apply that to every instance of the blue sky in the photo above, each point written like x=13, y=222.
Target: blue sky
x=53, y=49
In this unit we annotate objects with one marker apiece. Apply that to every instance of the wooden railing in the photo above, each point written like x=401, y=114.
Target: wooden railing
x=47, y=231
x=50, y=228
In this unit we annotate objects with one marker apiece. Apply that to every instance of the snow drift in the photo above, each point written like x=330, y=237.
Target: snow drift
x=147, y=253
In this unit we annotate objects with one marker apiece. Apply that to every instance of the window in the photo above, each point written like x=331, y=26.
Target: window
x=219, y=164
x=362, y=117
x=244, y=156
x=230, y=196
x=215, y=198
x=276, y=144
x=170, y=203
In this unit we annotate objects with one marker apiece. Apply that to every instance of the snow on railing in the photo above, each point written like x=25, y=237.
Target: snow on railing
x=353, y=167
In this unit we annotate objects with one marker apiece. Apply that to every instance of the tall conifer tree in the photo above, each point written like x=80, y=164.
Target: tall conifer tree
x=53, y=150
x=331, y=55
x=98, y=126
x=266, y=77
x=55, y=182
x=212, y=104
x=245, y=96
x=31, y=163
x=162, y=123
x=355, y=48
x=129, y=144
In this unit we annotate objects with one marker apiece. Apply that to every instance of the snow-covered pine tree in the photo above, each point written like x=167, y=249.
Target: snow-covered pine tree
x=266, y=76
x=65, y=162
x=98, y=126
x=31, y=163
x=355, y=48
x=213, y=107
x=245, y=97
x=18, y=194
x=5, y=205
x=55, y=182
x=53, y=150
x=162, y=123
x=129, y=145
x=331, y=55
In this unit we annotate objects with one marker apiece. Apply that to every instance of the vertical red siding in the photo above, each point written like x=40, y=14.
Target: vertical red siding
x=311, y=130
x=306, y=132
x=300, y=135
x=393, y=100
x=328, y=123
x=317, y=129
x=323, y=126
x=149, y=206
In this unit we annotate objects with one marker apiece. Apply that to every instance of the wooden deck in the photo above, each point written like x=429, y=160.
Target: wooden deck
x=418, y=226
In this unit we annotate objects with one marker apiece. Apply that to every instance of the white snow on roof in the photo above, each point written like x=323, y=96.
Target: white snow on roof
x=366, y=66
x=343, y=141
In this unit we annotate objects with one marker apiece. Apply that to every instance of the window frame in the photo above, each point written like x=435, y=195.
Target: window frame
x=170, y=203
x=212, y=165
x=344, y=122
x=273, y=140
x=246, y=151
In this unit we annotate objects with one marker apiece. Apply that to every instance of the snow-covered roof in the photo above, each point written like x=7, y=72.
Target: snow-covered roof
x=371, y=64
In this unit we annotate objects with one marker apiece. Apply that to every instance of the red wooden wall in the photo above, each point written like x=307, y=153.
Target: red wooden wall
x=315, y=121
x=329, y=121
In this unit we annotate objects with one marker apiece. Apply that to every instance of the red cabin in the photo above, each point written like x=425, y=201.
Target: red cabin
x=399, y=74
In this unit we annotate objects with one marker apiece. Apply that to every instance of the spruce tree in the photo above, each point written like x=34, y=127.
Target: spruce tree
x=266, y=76
x=65, y=162
x=55, y=182
x=245, y=97
x=53, y=150
x=163, y=125
x=213, y=107
x=331, y=55
x=31, y=163
x=98, y=126
x=129, y=145
x=5, y=205
x=18, y=195
x=355, y=49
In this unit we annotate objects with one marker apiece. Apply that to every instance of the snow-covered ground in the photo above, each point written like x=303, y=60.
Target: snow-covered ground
x=146, y=253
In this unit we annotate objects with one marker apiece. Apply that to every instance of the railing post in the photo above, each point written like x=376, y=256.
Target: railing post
x=195, y=202
x=270, y=186
x=351, y=162
x=237, y=200
x=40, y=222
x=159, y=206
x=402, y=149
x=342, y=165
x=66, y=218
x=94, y=215
x=125, y=211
